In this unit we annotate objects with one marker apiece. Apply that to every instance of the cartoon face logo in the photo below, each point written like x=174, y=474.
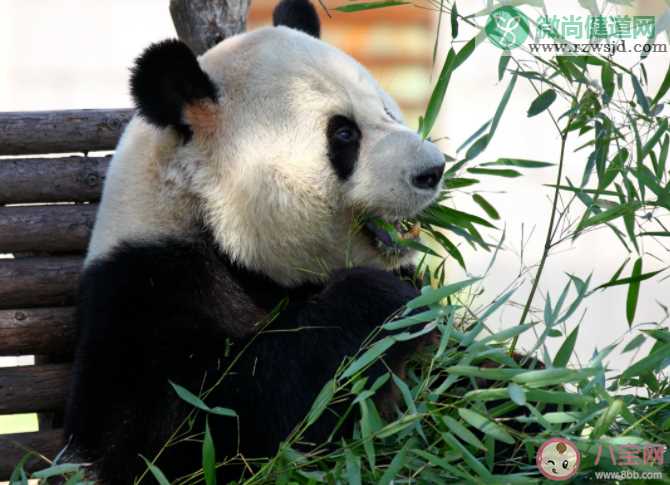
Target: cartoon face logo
x=558, y=459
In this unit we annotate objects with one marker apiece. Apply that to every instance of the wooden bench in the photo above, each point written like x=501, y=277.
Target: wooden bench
x=47, y=210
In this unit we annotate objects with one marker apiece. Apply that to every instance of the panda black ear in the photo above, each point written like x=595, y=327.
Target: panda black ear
x=166, y=79
x=299, y=15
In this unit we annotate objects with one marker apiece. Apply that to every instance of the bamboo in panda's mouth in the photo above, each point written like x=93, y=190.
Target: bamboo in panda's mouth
x=389, y=236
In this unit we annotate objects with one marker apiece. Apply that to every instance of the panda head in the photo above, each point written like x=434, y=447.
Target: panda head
x=284, y=147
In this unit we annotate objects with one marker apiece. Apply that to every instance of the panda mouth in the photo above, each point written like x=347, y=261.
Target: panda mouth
x=392, y=238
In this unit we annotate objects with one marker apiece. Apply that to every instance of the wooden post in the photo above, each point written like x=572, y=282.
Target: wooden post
x=202, y=24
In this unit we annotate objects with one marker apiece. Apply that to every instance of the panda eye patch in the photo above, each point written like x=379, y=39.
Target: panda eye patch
x=344, y=138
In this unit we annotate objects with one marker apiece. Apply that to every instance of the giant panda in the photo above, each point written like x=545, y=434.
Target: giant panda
x=233, y=243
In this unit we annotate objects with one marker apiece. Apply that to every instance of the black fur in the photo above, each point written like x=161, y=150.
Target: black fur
x=299, y=15
x=343, y=154
x=180, y=311
x=166, y=77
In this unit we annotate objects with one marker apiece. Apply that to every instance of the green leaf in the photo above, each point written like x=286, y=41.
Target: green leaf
x=607, y=79
x=369, y=356
x=437, y=96
x=516, y=393
x=509, y=173
x=485, y=425
x=357, y=7
x=502, y=64
x=484, y=204
x=477, y=147
x=430, y=296
x=665, y=85
x=462, y=432
x=415, y=319
x=550, y=377
x=195, y=401
x=542, y=102
x=156, y=472
x=650, y=363
x=609, y=215
x=353, y=466
x=458, y=183
x=501, y=107
x=208, y=457
x=454, y=21
x=631, y=279
x=321, y=402
x=465, y=52
x=563, y=355
x=634, y=344
x=492, y=374
x=518, y=162
x=639, y=95
x=56, y=470
x=474, y=136
x=607, y=418
x=651, y=143
x=468, y=457
x=633, y=291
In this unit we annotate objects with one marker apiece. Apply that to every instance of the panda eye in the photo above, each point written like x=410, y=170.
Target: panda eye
x=346, y=134
x=343, y=130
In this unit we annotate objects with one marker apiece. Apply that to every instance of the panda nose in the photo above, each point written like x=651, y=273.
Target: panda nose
x=428, y=178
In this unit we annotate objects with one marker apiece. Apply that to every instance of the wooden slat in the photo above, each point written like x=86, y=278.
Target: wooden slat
x=14, y=446
x=47, y=228
x=40, y=132
x=42, y=331
x=33, y=388
x=38, y=282
x=63, y=179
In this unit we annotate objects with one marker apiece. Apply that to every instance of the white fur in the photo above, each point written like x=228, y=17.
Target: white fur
x=262, y=179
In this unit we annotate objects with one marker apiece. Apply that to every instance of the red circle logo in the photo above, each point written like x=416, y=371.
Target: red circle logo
x=558, y=459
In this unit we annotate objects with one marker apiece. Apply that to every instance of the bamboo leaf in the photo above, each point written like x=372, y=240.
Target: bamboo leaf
x=631, y=279
x=516, y=394
x=609, y=215
x=650, y=363
x=563, y=355
x=485, y=425
x=454, y=21
x=509, y=173
x=518, y=162
x=430, y=296
x=465, y=52
x=501, y=106
x=607, y=79
x=357, y=7
x=156, y=472
x=542, y=102
x=462, y=432
x=208, y=457
x=437, y=96
x=633, y=291
x=477, y=147
x=486, y=206
x=665, y=85
x=502, y=64
x=321, y=402
x=195, y=401
x=639, y=95
x=369, y=356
